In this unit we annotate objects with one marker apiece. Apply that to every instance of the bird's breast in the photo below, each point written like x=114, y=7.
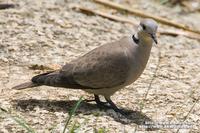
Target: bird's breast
x=137, y=64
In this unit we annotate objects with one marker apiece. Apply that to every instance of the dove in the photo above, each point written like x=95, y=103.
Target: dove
x=105, y=69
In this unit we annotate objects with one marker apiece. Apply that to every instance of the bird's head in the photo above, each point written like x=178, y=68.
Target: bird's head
x=148, y=29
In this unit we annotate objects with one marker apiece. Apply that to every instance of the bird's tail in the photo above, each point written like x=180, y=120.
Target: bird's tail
x=41, y=79
x=25, y=86
x=50, y=79
x=54, y=79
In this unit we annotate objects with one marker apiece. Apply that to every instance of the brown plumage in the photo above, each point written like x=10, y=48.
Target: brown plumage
x=106, y=69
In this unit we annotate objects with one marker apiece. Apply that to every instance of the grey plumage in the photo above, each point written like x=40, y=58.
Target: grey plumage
x=106, y=69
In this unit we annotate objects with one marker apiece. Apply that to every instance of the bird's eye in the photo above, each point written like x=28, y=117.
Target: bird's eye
x=144, y=27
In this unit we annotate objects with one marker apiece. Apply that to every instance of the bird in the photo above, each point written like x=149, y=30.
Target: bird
x=105, y=69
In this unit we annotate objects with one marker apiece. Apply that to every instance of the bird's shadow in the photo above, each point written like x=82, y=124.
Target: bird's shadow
x=85, y=108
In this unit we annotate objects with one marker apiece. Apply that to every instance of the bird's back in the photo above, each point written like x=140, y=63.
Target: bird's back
x=103, y=67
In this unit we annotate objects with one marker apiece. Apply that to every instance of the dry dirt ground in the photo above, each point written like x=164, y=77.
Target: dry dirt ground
x=51, y=32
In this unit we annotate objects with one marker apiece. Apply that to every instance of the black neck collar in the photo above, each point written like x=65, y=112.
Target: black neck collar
x=136, y=40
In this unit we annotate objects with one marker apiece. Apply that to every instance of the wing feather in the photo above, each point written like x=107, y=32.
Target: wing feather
x=104, y=67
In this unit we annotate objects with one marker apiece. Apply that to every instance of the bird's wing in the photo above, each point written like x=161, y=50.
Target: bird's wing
x=104, y=67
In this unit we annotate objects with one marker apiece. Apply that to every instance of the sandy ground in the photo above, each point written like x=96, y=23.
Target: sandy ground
x=50, y=32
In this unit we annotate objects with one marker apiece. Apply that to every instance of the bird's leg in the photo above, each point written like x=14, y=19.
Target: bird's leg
x=97, y=100
x=100, y=103
x=114, y=107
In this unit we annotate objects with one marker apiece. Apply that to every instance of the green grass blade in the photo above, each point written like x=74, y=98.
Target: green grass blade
x=18, y=120
x=74, y=127
x=22, y=123
x=72, y=112
x=100, y=130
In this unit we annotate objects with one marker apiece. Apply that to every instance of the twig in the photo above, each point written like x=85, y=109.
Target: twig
x=2, y=109
x=154, y=75
x=185, y=117
x=146, y=15
x=105, y=15
x=180, y=32
x=6, y=6
x=125, y=20
x=153, y=78
x=150, y=84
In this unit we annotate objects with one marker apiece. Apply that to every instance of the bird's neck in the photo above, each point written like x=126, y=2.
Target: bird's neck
x=142, y=39
x=135, y=38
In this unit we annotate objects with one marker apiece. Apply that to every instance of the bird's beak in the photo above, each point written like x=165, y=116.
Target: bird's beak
x=154, y=38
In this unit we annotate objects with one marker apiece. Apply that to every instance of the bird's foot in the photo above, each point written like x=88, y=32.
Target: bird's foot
x=100, y=104
x=116, y=109
x=103, y=105
x=110, y=105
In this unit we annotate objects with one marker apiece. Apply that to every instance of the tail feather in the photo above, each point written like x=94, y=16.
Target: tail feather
x=25, y=85
x=49, y=79
x=54, y=79
x=33, y=83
